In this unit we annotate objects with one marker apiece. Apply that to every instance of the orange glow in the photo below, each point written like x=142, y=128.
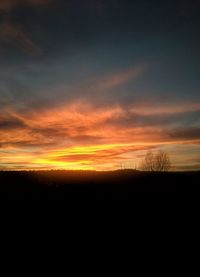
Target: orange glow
x=80, y=136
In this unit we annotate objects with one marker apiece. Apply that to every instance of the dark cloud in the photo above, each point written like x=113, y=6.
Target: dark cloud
x=13, y=33
x=54, y=132
x=185, y=133
x=87, y=139
x=11, y=123
x=28, y=144
x=9, y=5
x=130, y=119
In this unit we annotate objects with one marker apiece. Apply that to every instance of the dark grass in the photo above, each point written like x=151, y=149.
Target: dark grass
x=122, y=182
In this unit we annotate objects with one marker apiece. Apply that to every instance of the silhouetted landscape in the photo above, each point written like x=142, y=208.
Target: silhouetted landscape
x=120, y=182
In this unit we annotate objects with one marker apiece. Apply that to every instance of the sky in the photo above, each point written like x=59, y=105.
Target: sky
x=95, y=84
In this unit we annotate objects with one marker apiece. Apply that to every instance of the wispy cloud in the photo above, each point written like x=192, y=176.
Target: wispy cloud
x=11, y=31
x=114, y=80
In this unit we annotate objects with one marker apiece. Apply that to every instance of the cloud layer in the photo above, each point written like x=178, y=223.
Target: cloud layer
x=95, y=84
x=84, y=136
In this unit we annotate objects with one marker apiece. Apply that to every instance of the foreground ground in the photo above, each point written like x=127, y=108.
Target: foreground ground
x=122, y=182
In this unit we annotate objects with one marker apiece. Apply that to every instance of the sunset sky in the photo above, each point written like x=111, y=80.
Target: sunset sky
x=95, y=84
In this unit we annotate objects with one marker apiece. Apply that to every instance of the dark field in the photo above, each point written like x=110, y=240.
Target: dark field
x=122, y=182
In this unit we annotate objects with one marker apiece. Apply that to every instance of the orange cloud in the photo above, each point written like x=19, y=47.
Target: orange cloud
x=120, y=78
x=81, y=136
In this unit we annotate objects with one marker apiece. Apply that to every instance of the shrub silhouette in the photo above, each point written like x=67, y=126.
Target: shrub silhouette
x=159, y=162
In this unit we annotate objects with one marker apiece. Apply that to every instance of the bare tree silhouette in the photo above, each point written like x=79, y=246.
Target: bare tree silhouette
x=159, y=162
x=162, y=161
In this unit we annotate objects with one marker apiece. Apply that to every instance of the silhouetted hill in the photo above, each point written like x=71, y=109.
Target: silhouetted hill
x=121, y=182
